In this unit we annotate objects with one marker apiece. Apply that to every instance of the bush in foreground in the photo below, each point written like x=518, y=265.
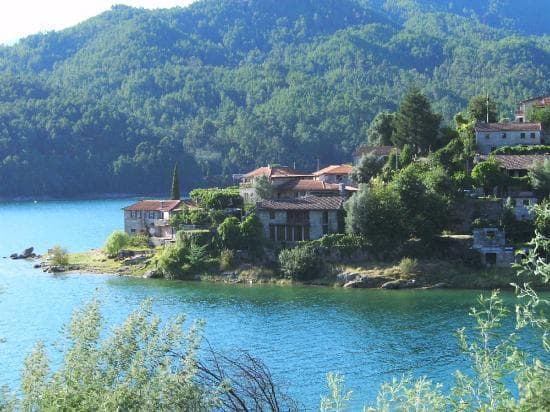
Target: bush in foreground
x=115, y=242
x=303, y=262
x=59, y=256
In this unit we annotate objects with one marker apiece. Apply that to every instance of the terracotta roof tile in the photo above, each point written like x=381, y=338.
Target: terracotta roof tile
x=156, y=205
x=275, y=171
x=507, y=127
x=344, y=169
x=517, y=162
x=307, y=184
x=304, y=203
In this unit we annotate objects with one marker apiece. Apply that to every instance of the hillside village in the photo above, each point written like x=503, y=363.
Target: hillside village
x=495, y=196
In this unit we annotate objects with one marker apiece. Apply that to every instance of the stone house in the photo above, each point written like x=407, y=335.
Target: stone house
x=334, y=174
x=522, y=113
x=277, y=175
x=152, y=217
x=521, y=202
x=491, y=244
x=515, y=165
x=491, y=136
x=304, y=218
x=306, y=187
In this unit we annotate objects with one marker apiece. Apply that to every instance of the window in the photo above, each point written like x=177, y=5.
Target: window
x=491, y=235
x=272, y=215
x=487, y=136
x=280, y=232
x=504, y=135
x=132, y=214
x=298, y=233
x=522, y=136
x=324, y=221
x=525, y=202
x=533, y=135
x=151, y=215
x=493, y=148
x=513, y=202
x=272, y=232
x=133, y=230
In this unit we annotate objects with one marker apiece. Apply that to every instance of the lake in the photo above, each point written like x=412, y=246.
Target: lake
x=300, y=332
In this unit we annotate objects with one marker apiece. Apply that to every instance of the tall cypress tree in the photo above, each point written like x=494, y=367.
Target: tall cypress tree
x=175, y=183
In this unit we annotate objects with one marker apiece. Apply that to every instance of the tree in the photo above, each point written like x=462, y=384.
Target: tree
x=252, y=233
x=369, y=166
x=175, y=184
x=302, y=262
x=376, y=212
x=539, y=175
x=487, y=175
x=115, y=242
x=415, y=123
x=263, y=187
x=59, y=256
x=542, y=115
x=229, y=232
x=381, y=129
x=477, y=109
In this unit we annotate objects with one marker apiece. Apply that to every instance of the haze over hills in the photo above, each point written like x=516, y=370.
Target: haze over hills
x=225, y=85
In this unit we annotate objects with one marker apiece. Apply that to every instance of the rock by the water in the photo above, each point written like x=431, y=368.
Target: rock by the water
x=346, y=277
x=56, y=269
x=152, y=274
x=124, y=254
x=14, y=256
x=366, y=281
x=27, y=253
x=37, y=265
x=399, y=284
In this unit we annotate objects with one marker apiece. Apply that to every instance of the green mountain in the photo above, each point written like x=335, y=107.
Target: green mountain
x=222, y=86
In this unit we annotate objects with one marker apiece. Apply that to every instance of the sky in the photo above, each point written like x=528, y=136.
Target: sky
x=20, y=18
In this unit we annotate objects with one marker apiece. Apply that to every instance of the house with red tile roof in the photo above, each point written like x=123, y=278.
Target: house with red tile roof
x=522, y=113
x=152, y=217
x=277, y=175
x=334, y=174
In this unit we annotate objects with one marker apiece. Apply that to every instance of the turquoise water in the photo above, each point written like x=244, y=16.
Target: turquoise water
x=300, y=332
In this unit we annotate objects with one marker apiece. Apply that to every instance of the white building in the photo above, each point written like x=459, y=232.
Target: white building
x=491, y=136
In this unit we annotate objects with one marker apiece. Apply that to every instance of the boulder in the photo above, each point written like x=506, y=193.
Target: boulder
x=152, y=274
x=37, y=265
x=399, y=284
x=366, y=281
x=55, y=269
x=346, y=277
x=27, y=253
x=124, y=254
x=14, y=256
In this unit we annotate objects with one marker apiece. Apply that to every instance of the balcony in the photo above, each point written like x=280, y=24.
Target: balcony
x=161, y=222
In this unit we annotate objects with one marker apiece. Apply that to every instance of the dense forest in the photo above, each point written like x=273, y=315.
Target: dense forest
x=222, y=86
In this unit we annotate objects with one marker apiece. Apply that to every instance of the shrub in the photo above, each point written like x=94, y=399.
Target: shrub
x=59, y=256
x=408, y=266
x=230, y=233
x=115, y=242
x=304, y=262
x=227, y=259
x=138, y=241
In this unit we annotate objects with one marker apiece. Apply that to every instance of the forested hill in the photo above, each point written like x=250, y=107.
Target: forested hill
x=225, y=85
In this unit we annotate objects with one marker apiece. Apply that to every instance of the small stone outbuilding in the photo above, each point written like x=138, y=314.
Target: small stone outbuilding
x=491, y=244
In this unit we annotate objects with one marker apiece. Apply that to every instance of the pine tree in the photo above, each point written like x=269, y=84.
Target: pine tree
x=415, y=123
x=175, y=183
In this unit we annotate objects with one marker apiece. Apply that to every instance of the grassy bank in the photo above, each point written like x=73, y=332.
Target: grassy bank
x=425, y=273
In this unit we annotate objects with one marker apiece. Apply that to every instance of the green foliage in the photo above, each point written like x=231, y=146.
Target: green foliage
x=542, y=218
x=138, y=241
x=140, y=365
x=227, y=259
x=252, y=234
x=376, y=212
x=303, y=262
x=218, y=199
x=539, y=175
x=488, y=175
x=519, y=231
x=197, y=217
x=225, y=86
x=115, y=242
x=416, y=124
x=542, y=115
x=229, y=233
x=368, y=167
x=406, y=156
x=336, y=401
x=175, y=192
x=59, y=256
x=477, y=109
x=263, y=187
x=381, y=129
x=408, y=266
x=535, y=149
